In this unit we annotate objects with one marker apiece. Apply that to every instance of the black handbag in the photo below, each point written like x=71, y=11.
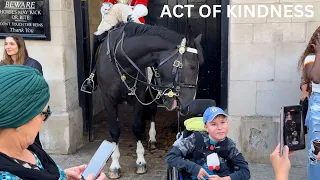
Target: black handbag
x=304, y=103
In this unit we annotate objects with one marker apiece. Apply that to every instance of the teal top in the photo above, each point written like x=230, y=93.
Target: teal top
x=8, y=176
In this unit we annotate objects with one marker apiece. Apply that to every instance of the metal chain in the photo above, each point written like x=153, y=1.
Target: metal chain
x=133, y=88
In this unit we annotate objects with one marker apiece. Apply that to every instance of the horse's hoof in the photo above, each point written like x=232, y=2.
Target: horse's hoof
x=114, y=173
x=141, y=168
x=152, y=145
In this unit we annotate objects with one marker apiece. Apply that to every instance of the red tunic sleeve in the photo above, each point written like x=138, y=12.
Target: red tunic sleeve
x=110, y=1
x=135, y=2
x=143, y=2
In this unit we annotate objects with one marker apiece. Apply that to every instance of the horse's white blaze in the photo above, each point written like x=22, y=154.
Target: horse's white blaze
x=195, y=93
x=149, y=73
x=140, y=153
x=152, y=132
x=192, y=50
x=115, y=158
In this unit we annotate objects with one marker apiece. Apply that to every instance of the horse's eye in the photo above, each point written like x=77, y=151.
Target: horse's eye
x=193, y=68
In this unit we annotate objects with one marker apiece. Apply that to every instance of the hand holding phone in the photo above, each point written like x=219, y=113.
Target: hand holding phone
x=101, y=176
x=98, y=161
x=292, y=128
x=280, y=162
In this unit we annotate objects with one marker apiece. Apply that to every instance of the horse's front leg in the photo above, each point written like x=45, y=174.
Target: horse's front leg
x=141, y=165
x=152, y=131
x=112, y=110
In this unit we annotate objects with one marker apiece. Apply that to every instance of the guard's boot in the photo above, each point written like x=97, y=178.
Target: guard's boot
x=89, y=84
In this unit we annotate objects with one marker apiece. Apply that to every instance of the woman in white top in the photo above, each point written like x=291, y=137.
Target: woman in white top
x=310, y=65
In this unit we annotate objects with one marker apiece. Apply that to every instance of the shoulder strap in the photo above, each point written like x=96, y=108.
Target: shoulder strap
x=223, y=148
x=199, y=144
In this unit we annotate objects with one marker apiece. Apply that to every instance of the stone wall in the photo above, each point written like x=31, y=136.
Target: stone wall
x=263, y=76
x=63, y=132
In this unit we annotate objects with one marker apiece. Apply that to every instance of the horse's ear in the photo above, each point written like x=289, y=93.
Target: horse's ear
x=188, y=34
x=198, y=39
x=197, y=42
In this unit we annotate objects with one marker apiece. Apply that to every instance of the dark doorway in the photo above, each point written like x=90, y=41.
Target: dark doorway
x=83, y=63
x=213, y=77
x=213, y=74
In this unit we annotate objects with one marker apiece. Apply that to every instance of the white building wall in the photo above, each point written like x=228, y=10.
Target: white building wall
x=263, y=76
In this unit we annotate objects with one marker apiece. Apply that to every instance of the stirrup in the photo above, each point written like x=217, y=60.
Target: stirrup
x=88, y=85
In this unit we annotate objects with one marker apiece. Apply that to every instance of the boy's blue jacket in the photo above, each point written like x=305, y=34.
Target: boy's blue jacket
x=181, y=157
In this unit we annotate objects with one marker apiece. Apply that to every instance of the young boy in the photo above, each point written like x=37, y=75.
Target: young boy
x=192, y=155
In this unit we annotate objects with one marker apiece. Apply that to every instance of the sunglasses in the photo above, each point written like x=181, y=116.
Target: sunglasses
x=46, y=114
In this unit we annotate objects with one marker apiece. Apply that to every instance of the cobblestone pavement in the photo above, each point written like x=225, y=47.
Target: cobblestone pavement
x=166, y=126
x=157, y=167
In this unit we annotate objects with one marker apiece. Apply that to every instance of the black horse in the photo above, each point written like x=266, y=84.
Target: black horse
x=121, y=62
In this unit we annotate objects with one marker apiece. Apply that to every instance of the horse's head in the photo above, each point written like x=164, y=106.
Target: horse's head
x=176, y=60
x=182, y=73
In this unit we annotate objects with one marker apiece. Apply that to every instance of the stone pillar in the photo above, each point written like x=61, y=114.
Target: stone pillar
x=63, y=133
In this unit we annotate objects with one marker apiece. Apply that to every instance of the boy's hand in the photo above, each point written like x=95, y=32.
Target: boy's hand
x=201, y=174
x=216, y=177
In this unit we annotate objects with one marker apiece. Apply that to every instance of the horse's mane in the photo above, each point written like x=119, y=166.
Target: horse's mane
x=135, y=29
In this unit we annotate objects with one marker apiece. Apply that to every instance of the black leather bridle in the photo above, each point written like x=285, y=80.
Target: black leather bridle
x=167, y=89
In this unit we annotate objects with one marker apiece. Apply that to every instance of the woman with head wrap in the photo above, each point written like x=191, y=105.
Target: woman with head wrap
x=24, y=97
x=15, y=52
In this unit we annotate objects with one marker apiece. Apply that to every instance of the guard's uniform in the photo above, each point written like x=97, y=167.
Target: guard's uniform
x=139, y=7
x=115, y=11
x=120, y=10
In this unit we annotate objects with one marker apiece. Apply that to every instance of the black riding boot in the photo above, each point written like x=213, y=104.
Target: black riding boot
x=89, y=84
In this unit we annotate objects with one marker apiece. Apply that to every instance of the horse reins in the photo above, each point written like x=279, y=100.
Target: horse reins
x=177, y=68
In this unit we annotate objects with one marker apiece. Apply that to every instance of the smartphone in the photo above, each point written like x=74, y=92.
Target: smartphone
x=292, y=128
x=99, y=159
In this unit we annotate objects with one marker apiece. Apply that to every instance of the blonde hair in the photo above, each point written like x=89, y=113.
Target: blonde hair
x=22, y=51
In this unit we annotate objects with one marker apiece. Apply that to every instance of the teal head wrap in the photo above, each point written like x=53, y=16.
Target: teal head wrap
x=24, y=93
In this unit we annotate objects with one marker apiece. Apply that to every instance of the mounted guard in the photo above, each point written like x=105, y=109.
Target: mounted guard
x=114, y=12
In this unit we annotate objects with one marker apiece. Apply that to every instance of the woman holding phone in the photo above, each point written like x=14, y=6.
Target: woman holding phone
x=24, y=97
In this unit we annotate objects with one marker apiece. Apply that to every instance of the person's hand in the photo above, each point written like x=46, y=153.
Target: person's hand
x=133, y=18
x=304, y=95
x=281, y=164
x=202, y=173
x=318, y=156
x=75, y=172
x=106, y=6
x=316, y=44
x=101, y=176
x=215, y=177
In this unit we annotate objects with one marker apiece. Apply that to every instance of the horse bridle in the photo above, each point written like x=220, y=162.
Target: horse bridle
x=177, y=68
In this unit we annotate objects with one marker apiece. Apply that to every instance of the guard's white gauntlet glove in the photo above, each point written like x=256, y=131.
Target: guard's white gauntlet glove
x=105, y=8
